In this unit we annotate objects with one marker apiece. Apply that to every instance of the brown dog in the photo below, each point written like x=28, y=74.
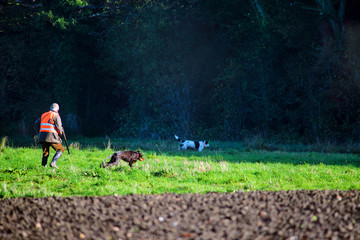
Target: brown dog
x=128, y=156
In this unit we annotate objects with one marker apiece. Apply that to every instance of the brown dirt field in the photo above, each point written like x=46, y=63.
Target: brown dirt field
x=291, y=215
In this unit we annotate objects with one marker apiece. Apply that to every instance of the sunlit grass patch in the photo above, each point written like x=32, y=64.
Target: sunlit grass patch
x=222, y=169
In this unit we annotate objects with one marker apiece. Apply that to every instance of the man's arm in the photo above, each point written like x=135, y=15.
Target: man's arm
x=37, y=125
x=58, y=124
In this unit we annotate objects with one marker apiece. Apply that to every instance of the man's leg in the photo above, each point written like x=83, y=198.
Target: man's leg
x=46, y=152
x=59, y=150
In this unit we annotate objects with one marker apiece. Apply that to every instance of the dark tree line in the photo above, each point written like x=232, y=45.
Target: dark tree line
x=219, y=69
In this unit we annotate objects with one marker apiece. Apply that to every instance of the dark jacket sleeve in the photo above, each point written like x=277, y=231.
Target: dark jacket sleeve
x=37, y=126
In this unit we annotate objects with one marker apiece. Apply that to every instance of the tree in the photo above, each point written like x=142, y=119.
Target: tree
x=168, y=59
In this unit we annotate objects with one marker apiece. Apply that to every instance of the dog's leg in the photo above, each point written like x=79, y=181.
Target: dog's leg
x=105, y=164
x=114, y=160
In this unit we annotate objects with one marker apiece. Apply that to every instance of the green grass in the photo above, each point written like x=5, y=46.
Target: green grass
x=225, y=167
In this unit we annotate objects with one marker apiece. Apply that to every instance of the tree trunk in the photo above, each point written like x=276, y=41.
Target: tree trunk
x=335, y=17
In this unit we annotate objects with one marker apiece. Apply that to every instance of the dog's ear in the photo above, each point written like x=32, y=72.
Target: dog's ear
x=207, y=141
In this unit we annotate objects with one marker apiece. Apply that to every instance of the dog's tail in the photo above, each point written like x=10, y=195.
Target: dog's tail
x=103, y=163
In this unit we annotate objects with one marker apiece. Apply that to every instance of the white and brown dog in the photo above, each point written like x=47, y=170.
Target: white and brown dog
x=188, y=144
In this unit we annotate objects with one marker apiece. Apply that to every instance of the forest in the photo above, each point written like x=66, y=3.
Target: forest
x=285, y=69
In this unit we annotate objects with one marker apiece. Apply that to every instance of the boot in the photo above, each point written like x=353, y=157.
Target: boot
x=44, y=161
x=55, y=158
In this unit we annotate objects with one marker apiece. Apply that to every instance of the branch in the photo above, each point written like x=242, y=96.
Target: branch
x=105, y=14
x=93, y=15
x=28, y=4
x=341, y=10
x=259, y=8
x=311, y=9
x=321, y=3
x=327, y=7
x=106, y=6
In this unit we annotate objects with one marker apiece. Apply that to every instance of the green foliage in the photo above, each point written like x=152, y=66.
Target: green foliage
x=61, y=23
x=167, y=65
x=75, y=3
x=225, y=168
x=214, y=69
x=47, y=17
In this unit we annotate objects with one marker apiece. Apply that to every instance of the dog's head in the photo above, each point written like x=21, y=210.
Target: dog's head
x=206, y=143
x=140, y=156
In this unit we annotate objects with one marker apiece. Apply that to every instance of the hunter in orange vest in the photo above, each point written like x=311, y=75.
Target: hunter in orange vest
x=50, y=132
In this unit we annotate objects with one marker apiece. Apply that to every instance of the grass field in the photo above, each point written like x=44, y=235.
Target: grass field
x=224, y=167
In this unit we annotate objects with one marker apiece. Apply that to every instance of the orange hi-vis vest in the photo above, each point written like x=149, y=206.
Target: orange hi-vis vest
x=47, y=123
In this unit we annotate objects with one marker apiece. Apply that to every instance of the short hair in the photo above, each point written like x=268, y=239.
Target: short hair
x=54, y=107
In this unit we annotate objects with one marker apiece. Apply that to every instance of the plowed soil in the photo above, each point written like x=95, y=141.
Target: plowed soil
x=289, y=215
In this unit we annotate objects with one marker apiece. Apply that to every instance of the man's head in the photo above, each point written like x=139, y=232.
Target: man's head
x=54, y=107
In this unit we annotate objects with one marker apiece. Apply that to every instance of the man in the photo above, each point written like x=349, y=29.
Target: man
x=49, y=135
